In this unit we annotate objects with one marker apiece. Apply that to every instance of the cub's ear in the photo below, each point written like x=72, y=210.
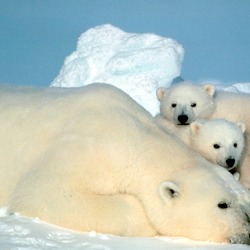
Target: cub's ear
x=242, y=126
x=169, y=190
x=160, y=92
x=209, y=89
x=195, y=128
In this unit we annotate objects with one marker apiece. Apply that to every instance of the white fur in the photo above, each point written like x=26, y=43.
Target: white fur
x=219, y=104
x=185, y=100
x=218, y=140
x=93, y=159
x=235, y=107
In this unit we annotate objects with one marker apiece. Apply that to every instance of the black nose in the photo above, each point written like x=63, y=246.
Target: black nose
x=182, y=119
x=230, y=162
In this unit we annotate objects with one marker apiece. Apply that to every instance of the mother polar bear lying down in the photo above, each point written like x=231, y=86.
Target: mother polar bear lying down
x=91, y=158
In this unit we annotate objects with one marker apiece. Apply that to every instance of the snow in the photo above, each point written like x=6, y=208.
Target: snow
x=138, y=64
x=237, y=87
x=17, y=232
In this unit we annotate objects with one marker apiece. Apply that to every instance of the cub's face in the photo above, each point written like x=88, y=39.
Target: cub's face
x=185, y=102
x=219, y=141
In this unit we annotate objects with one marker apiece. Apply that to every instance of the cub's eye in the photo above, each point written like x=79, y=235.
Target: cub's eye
x=223, y=205
x=235, y=145
x=216, y=146
x=193, y=104
x=174, y=105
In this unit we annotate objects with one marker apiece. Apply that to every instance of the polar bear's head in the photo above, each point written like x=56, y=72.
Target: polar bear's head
x=204, y=205
x=219, y=141
x=185, y=102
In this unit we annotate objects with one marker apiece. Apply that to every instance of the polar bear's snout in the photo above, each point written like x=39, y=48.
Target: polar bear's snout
x=243, y=238
x=246, y=238
x=240, y=239
x=230, y=163
x=183, y=114
x=183, y=119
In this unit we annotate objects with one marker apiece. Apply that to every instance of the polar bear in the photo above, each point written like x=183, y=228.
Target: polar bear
x=176, y=106
x=91, y=158
x=218, y=140
x=234, y=107
x=185, y=102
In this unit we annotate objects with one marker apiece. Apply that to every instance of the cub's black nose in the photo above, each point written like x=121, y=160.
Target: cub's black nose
x=182, y=119
x=230, y=162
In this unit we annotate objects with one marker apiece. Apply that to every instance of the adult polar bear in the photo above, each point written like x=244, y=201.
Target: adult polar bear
x=93, y=159
x=186, y=102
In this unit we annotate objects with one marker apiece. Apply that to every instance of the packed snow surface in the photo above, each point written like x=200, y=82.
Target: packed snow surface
x=21, y=233
x=138, y=64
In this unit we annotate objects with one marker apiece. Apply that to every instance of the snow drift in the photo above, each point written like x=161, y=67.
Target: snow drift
x=135, y=63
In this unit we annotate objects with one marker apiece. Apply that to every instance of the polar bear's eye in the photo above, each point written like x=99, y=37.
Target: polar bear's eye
x=173, y=105
x=193, y=104
x=216, y=146
x=235, y=145
x=223, y=205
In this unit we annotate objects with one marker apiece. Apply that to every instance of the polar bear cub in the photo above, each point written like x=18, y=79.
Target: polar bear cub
x=218, y=140
x=185, y=102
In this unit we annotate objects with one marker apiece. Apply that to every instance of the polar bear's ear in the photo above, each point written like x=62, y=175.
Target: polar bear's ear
x=160, y=92
x=209, y=89
x=195, y=128
x=242, y=126
x=169, y=190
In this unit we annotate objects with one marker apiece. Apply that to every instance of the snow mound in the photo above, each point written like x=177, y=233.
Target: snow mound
x=242, y=87
x=135, y=63
x=236, y=87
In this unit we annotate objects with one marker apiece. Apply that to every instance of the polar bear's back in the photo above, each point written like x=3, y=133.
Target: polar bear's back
x=55, y=108
x=68, y=126
x=233, y=106
x=35, y=99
